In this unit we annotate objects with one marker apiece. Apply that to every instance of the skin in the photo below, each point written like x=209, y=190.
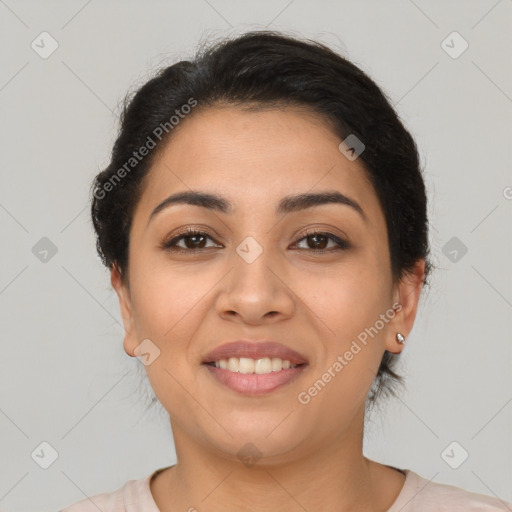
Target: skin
x=187, y=304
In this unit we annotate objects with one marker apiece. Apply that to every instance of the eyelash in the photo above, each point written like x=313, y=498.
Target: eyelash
x=170, y=245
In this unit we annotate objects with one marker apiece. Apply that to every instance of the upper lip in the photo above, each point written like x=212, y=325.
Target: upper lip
x=254, y=350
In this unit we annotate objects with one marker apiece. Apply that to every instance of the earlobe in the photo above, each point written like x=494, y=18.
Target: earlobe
x=407, y=295
x=125, y=306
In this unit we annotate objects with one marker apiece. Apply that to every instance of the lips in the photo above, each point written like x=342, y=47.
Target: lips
x=276, y=365
x=254, y=350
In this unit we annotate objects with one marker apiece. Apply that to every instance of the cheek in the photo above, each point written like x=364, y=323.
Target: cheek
x=167, y=300
x=168, y=305
x=349, y=305
x=347, y=299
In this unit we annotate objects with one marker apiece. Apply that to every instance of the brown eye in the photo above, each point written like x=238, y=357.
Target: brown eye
x=318, y=241
x=192, y=241
x=195, y=241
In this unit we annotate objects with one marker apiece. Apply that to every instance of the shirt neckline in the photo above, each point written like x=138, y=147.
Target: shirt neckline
x=408, y=491
x=406, y=494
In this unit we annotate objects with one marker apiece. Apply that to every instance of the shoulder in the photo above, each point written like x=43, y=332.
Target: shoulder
x=133, y=496
x=107, y=502
x=422, y=495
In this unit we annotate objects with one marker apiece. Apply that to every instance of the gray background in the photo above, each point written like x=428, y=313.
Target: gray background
x=64, y=377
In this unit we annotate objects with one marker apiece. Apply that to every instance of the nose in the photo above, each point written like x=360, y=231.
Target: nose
x=256, y=291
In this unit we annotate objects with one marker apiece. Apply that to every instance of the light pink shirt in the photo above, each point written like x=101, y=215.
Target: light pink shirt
x=417, y=495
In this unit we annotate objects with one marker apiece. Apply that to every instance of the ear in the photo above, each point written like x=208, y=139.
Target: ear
x=123, y=294
x=406, y=296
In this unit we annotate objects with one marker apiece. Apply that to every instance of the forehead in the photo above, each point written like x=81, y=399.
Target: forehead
x=255, y=158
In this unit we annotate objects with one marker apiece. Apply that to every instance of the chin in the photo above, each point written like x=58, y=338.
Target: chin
x=259, y=436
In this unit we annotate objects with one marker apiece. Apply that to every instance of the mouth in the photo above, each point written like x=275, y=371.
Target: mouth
x=254, y=368
x=248, y=365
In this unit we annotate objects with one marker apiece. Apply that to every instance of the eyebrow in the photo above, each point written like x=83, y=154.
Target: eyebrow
x=288, y=204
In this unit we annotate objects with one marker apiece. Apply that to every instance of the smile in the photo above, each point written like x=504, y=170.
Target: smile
x=253, y=367
x=254, y=383
x=247, y=365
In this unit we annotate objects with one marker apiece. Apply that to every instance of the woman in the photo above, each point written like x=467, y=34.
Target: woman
x=264, y=221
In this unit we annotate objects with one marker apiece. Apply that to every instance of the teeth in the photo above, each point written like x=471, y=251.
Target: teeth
x=246, y=365
x=233, y=364
x=258, y=366
x=263, y=366
x=277, y=364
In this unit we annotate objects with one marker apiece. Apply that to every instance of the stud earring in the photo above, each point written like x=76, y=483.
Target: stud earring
x=400, y=338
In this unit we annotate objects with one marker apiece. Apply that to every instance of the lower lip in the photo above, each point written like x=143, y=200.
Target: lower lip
x=253, y=383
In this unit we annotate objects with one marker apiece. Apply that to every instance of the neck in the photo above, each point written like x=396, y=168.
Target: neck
x=335, y=477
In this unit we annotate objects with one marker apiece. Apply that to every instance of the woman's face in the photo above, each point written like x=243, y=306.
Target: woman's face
x=258, y=274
